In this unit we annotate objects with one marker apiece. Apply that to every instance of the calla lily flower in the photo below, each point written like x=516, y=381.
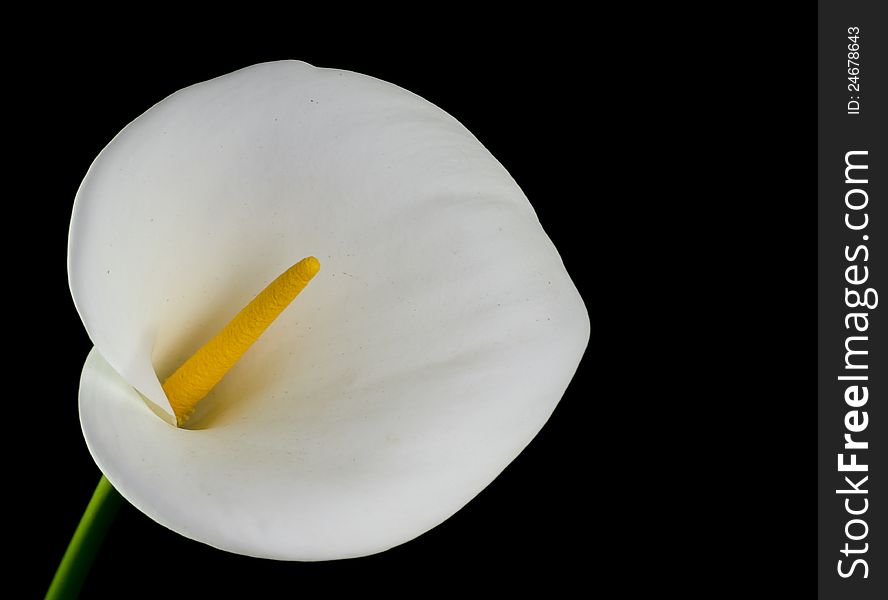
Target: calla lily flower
x=432, y=346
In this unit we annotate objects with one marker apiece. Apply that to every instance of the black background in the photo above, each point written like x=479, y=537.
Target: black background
x=680, y=456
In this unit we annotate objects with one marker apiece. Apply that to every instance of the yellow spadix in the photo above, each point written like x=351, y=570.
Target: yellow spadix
x=199, y=374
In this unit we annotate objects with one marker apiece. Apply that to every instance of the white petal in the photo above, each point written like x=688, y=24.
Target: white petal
x=433, y=345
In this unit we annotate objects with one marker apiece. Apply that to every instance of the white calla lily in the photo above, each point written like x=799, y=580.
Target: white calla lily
x=433, y=345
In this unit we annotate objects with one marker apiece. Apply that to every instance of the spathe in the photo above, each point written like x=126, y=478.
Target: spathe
x=434, y=344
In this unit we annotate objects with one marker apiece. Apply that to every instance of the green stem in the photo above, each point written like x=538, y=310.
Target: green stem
x=85, y=544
